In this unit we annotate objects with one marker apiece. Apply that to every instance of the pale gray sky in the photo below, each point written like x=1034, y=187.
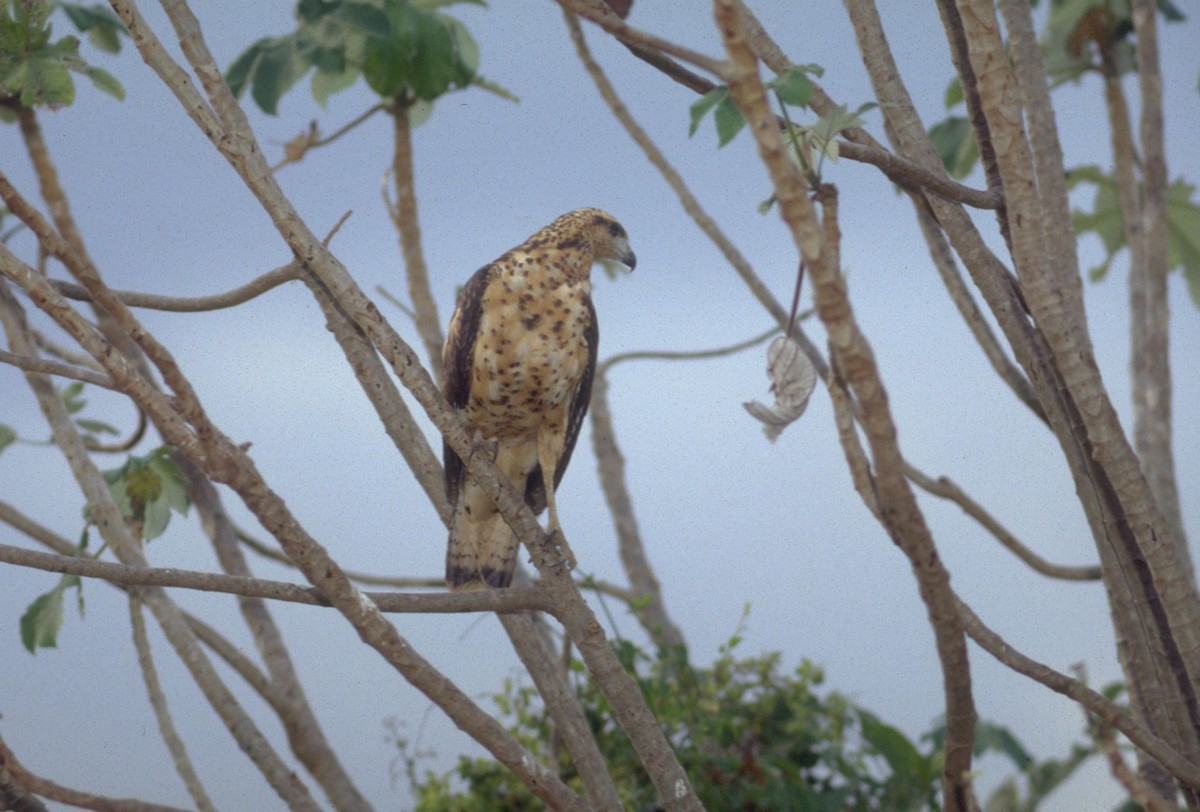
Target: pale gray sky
x=728, y=518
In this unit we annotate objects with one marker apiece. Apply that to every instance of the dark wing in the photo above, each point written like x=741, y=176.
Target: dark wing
x=535, y=488
x=457, y=364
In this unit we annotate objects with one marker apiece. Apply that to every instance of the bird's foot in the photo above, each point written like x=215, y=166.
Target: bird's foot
x=558, y=544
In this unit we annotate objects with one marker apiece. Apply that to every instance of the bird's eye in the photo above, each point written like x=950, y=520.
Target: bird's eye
x=615, y=230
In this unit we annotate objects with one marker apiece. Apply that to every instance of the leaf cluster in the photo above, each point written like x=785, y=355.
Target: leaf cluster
x=1080, y=37
x=146, y=490
x=792, y=88
x=1107, y=222
x=750, y=736
x=405, y=50
x=36, y=69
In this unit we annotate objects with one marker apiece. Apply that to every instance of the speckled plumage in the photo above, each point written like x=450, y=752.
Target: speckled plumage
x=518, y=361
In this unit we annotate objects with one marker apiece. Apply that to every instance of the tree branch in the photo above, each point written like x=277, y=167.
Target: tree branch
x=112, y=527
x=1108, y=712
x=510, y=600
x=196, y=304
x=404, y=217
x=32, y=783
x=817, y=242
x=947, y=489
x=570, y=723
x=45, y=367
x=166, y=726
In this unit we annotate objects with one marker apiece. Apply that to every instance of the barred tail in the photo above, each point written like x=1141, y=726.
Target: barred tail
x=480, y=555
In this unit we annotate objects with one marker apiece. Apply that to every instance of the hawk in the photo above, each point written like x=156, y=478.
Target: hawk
x=518, y=364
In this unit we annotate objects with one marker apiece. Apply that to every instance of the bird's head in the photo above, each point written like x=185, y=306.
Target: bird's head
x=600, y=232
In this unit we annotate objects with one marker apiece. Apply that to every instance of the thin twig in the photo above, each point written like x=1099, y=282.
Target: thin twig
x=817, y=239
x=947, y=489
x=33, y=783
x=1107, y=711
x=505, y=600
x=603, y=16
x=688, y=355
x=295, y=150
x=45, y=367
x=194, y=304
x=158, y=701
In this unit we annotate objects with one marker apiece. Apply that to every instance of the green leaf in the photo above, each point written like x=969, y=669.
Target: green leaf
x=954, y=93
x=824, y=132
x=955, y=145
x=96, y=427
x=1183, y=235
x=1001, y=740
x=430, y=5
x=701, y=106
x=1108, y=223
x=433, y=63
x=105, y=82
x=729, y=121
x=325, y=84
x=173, y=482
x=364, y=18
x=71, y=399
x=42, y=620
x=278, y=68
x=103, y=27
x=495, y=89
x=793, y=86
x=7, y=436
x=1170, y=11
x=242, y=70
x=900, y=754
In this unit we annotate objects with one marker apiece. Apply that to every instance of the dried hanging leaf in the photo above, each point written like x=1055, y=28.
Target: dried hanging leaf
x=793, y=379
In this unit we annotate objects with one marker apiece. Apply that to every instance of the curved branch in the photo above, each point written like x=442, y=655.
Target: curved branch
x=500, y=600
x=195, y=304
x=1110, y=713
x=295, y=150
x=32, y=783
x=947, y=489
x=689, y=355
x=158, y=701
x=817, y=239
x=408, y=227
x=600, y=14
x=31, y=364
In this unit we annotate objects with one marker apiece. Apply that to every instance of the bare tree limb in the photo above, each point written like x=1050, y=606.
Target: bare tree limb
x=35, y=784
x=570, y=724
x=690, y=355
x=158, y=700
x=404, y=217
x=195, y=304
x=55, y=368
x=112, y=527
x=600, y=14
x=947, y=489
x=1150, y=313
x=1108, y=712
x=817, y=242
x=510, y=600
